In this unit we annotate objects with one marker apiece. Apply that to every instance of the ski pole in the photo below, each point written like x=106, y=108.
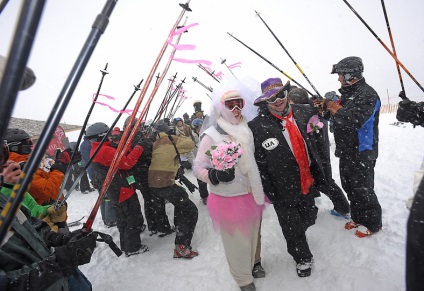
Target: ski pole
x=393, y=45
x=104, y=139
x=210, y=89
x=124, y=145
x=385, y=46
x=274, y=66
x=87, y=117
x=209, y=73
x=295, y=63
x=56, y=114
x=2, y=5
x=20, y=49
x=223, y=61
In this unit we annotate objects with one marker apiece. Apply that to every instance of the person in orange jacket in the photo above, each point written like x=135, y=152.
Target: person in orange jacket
x=45, y=185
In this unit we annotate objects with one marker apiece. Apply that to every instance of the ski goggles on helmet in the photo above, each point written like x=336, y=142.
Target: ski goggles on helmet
x=23, y=147
x=233, y=104
x=279, y=96
x=4, y=153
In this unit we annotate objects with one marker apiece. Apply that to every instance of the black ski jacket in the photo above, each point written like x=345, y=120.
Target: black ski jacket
x=356, y=123
x=281, y=181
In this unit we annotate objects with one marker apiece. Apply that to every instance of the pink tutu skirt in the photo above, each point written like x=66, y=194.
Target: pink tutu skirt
x=231, y=213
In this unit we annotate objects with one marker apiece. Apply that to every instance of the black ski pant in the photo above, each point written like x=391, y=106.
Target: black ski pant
x=414, y=243
x=294, y=222
x=336, y=195
x=203, y=189
x=129, y=223
x=357, y=178
x=185, y=212
x=151, y=205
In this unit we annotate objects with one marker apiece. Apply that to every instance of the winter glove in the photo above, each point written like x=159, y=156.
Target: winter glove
x=57, y=215
x=76, y=252
x=52, y=226
x=402, y=95
x=326, y=105
x=217, y=176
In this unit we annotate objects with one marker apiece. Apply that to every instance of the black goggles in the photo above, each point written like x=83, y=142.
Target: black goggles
x=279, y=96
x=234, y=103
x=23, y=147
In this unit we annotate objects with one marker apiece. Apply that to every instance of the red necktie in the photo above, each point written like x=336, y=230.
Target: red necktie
x=299, y=151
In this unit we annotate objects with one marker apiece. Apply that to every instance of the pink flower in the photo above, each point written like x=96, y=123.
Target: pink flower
x=225, y=155
x=228, y=159
x=314, y=124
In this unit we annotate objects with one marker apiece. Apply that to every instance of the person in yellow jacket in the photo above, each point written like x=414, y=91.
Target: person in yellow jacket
x=162, y=172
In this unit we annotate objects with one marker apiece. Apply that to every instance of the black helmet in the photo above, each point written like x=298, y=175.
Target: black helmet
x=350, y=67
x=19, y=141
x=96, y=131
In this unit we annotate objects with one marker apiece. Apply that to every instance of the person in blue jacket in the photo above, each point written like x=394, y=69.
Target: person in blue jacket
x=356, y=137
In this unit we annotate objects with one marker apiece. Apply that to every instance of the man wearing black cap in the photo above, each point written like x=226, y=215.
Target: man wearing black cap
x=356, y=137
x=291, y=160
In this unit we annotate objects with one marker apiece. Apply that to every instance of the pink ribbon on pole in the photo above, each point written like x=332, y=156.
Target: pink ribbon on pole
x=127, y=111
x=235, y=65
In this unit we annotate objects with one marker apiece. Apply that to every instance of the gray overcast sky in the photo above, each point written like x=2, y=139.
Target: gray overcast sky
x=317, y=34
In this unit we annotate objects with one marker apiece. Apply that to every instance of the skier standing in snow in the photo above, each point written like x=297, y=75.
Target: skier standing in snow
x=140, y=173
x=162, y=172
x=333, y=191
x=121, y=192
x=290, y=161
x=203, y=187
x=356, y=137
x=236, y=198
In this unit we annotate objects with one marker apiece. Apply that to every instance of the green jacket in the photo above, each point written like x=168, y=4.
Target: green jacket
x=165, y=164
x=28, y=202
x=26, y=262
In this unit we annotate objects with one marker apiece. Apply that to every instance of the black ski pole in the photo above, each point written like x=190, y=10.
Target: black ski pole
x=209, y=73
x=295, y=63
x=210, y=89
x=13, y=73
x=35, y=158
x=104, y=139
x=2, y=5
x=87, y=117
x=176, y=93
x=393, y=45
x=274, y=66
x=385, y=46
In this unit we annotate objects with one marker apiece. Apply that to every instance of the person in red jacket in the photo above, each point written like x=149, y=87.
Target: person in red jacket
x=121, y=191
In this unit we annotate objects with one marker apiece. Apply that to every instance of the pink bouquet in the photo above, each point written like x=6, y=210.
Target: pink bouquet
x=314, y=124
x=225, y=155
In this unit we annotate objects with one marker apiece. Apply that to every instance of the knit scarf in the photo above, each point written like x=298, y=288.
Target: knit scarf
x=243, y=135
x=299, y=152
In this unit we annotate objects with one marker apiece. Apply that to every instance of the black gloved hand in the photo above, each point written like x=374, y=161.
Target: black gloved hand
x=217, y=176
x=76, y=252
x=402, y=95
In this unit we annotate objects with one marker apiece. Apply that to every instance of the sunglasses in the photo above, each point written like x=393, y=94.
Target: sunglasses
x=4, y=153
x=280, y=96
x=233, y=104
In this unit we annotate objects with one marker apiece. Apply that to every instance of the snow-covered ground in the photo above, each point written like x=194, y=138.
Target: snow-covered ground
x=342, y=261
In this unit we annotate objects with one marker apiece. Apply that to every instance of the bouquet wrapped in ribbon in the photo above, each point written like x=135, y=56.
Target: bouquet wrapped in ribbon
x=224, y=156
